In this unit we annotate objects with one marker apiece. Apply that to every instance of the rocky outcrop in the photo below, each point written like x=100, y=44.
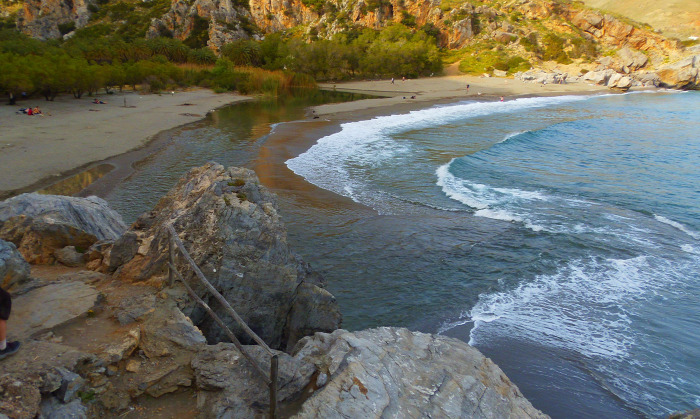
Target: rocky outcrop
x=612, y=31
x=390, y=372
x=224, y=19
x=230, y=387
x=51, y=305
x=41, y=18
x=684, y=74
x=88, y=336
x=40, y=225
x=14, y=270
x=230, y=225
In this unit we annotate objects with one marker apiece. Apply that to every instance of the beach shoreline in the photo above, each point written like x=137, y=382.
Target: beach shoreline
x=77, y=134
x=31, y=161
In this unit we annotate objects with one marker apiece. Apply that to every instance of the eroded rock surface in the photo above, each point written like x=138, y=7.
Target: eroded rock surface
x=50, y=305
x=41, y=18
x=390, y=372
x=230, y=226
x=39, y=225
x=14, y=270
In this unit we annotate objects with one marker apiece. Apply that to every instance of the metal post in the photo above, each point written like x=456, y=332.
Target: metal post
x=171, y=251
x=273, y=387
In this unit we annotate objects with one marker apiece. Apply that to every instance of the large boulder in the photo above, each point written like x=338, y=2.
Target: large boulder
x=230, y=226
x=14, y=270
x=631, y=59
x=390, y=372
x=683, y=74
x=231, y=388
x=39, y=225
x=618, y=81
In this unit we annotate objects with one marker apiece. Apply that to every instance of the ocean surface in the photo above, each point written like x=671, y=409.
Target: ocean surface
x=560, y=236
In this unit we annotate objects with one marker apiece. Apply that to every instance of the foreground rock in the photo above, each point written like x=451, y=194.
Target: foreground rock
x=14, y=270
x=40, y=225
x=390, y=372
x=231, y=228
x=50, y=305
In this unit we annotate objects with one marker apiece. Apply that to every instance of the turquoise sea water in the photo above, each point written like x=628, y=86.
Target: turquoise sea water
x=560, y=236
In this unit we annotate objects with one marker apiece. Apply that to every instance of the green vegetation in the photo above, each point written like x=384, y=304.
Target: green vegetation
x=484, y=57
x=130, y=20
x=394, y=51
x=83, y=65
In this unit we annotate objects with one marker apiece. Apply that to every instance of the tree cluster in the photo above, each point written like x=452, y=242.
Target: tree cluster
x=86, y=63
x=395, y=51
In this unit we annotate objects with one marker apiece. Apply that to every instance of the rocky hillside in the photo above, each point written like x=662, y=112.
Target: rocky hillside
x=104, y=335
x=507, y=35
x=676, y=18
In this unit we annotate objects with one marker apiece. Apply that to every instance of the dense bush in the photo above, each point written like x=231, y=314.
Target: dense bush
x=394, y=51
x=482, y=58
x=83, y=65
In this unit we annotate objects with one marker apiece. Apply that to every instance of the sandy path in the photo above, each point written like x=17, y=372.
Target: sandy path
x=432, y=89
x=75, y=132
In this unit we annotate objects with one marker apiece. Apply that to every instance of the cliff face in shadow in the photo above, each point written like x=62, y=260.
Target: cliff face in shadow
x=230, y=225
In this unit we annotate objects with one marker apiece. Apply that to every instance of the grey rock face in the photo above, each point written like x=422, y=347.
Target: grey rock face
x=232, y=388
x=53, y=409
x=231, y=228
x=40, y=18
x=14, y=270
x=224, y=17
x=71, y=383
x=390, y=372
x=41, y=224
x=69, y=256
x=50, y=305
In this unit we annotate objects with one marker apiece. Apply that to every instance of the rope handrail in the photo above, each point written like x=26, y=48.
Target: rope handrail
x=271, y=381
x=216, y=293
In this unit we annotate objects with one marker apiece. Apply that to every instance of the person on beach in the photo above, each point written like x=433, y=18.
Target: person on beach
x=6, y=348
x=392, y=80
x=403, y=78
x=467, y=88
x=501, y=98
x=29, y=111
x=36, y=111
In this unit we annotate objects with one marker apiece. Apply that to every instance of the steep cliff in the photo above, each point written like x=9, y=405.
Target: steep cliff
x=50, y=19
x=219, y=21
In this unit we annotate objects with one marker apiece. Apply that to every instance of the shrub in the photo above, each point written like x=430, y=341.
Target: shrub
x=66, y=27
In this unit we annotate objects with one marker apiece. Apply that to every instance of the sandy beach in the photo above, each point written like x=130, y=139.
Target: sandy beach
x=76, y=132
x=441, y=89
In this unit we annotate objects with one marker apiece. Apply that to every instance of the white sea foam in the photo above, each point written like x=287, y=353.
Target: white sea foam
x=585, y=307
x=678, y=226
x=690, y=249
x=502, y=215
x=511, y=135
x=338, y=159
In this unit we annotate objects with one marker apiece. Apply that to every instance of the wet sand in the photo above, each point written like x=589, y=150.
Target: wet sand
x=74, y=134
